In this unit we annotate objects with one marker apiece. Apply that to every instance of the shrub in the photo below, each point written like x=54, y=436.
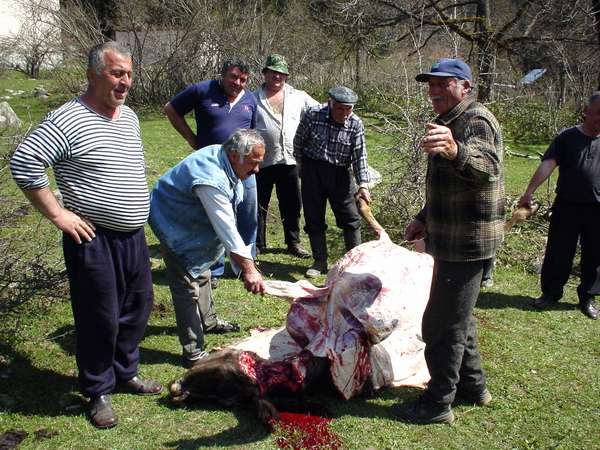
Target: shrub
x=31, y=278
x=402, y=193
x=529, y=121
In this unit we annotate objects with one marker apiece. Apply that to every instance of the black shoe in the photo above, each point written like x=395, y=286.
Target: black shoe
x=543, y=302
x=480, y=398
x=141, y=387
x=222, y=326
x=101, y=412
x=423, y=412
x=298, y=251
x=589, y=308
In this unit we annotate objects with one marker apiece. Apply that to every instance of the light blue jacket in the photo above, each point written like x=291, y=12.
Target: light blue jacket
x=178, y=218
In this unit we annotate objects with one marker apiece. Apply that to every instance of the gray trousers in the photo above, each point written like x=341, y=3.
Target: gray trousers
x=193, y=302
x=450, y=333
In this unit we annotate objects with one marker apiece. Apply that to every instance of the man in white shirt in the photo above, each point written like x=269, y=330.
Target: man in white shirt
x=192, y=214
x=280, y=108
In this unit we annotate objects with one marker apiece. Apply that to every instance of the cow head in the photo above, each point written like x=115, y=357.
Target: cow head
x=216, y=377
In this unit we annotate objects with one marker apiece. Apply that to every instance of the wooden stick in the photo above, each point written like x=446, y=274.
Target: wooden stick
x=365, y=212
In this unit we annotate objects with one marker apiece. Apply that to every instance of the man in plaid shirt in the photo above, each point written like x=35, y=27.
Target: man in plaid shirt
x=462, y=223
x=328, y=141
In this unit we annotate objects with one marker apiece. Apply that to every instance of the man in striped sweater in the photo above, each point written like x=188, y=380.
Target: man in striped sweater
x=94, y=145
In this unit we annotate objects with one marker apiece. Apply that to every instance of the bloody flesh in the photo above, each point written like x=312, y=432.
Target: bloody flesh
x=304, y=431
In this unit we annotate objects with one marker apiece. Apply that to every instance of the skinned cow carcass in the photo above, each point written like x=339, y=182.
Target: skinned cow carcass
x=361, y=330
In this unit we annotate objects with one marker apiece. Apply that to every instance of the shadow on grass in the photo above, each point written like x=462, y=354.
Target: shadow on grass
x=159, y=277
x=283, y=271
x=65, y=338
x=278, y=270
x=495, y=300
x=31, y=390
x=249, y=428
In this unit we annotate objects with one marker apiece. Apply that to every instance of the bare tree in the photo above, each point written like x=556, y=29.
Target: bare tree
x=596, y=15
x=352, y=26
x=36, y=43
x=489, y=29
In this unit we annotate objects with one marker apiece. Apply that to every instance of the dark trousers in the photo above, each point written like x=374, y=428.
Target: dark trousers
x=488, y=269
x=569, y=223
x=287, y=187
x=322, y=181
x=450, y=333
x=111, y=297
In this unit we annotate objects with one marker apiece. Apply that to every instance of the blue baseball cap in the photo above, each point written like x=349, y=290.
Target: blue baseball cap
x=447, y=67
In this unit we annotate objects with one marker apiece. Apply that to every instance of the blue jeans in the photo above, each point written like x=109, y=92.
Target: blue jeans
x=247, y=222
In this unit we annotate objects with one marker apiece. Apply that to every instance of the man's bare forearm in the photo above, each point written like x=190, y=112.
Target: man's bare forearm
x=79, y=228
x=180, y=125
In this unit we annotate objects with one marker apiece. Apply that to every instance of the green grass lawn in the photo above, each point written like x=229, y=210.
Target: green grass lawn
x=543, y=368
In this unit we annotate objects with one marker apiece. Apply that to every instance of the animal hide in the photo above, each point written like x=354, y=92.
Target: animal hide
x=366, y=321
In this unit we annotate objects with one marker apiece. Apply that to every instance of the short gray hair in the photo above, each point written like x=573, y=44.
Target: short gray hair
x=592, y=98
x=96, y=54
x=242, y=141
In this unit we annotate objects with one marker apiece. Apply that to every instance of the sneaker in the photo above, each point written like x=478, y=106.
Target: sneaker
x=298, y=251
x=189, y=363
x=222, y=326
x=482, y=398
x=317, y=268
x=487, y=283
x=423, y=412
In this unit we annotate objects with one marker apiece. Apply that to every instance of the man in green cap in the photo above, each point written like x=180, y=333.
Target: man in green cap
x=280, y=108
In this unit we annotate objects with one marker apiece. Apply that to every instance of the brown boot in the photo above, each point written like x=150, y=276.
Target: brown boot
x=101, y=412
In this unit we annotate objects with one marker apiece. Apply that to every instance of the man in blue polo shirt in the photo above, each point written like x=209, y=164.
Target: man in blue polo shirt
x=221, y=107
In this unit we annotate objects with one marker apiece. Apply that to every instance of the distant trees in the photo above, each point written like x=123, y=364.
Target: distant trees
x=353, y=30
x=37, y=41
x=176, y=41
x=562, y=36
x=506, y=29
x=106, y=12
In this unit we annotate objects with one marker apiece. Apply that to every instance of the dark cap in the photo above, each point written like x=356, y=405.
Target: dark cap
x=277, y=63
x=342, y=94
x=447, y=67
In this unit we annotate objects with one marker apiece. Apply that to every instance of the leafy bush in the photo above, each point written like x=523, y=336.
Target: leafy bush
x=528, y=121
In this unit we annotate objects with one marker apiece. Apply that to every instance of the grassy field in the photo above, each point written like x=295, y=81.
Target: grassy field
x=543, y=368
